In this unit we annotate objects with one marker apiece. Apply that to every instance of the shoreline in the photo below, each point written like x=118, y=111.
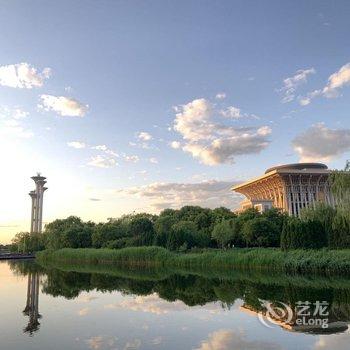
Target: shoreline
x=326, y=262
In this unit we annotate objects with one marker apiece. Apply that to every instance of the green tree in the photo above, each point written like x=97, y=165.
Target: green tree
x=71, y=232
x=25, y=242
x=142, y=227
x=298, y=234
x=182, y=234
x=105, y=232
x=162, y=228
x=322, y=213
x=227, y=232
x=261, y=232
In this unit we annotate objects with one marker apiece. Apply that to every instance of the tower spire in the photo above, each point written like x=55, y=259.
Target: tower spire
x=37, y=203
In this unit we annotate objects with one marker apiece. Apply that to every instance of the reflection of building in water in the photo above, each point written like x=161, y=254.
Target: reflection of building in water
x=289, y=188
x=32, y=306
x=336, y=320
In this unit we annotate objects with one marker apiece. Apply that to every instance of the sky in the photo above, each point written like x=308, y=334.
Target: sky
x=142, y=105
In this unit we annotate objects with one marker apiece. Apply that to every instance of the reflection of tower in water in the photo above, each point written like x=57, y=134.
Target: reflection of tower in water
x=32, y=306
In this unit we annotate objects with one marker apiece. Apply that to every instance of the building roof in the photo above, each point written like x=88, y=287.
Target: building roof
x=297, y=168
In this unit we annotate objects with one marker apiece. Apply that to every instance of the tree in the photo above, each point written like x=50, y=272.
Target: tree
x=142, y=227
x=298, y=234
x=162, y=228
x=261, y=232
x=71, y=232
x=106, y=232
x=182, y=234
x=25, y=242
x=322, y=213
x=227, y=232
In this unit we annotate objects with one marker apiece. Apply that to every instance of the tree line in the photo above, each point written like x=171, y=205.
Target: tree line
x=194, y=227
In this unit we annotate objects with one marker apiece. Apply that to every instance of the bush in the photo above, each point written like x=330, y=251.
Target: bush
x=298, y=234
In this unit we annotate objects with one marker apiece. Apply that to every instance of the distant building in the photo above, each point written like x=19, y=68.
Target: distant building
x=37, y=196
x=290, y=188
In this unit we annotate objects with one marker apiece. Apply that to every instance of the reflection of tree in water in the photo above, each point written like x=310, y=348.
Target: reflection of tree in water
x=32, y=305
x=203, y=288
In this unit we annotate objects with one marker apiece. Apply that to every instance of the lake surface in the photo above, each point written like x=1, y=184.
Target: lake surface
x=96, y=307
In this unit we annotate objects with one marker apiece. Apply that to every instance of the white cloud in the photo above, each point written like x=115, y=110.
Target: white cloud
x=144, y=136
x=76, y=144
x=224, y=339
x=12, y=125
x=336, y=81
x=23, y=76
x=106, y=150
x=220, y=96
x=210, y=193
x=175, y=144
x=101, y=161
x=153, y=160
x=232, y=112
x=64, y=106
x=13, y=113
x=131, y=159
x=291, y=84
x=212, y=142
x=320, y=143
x=100, y=147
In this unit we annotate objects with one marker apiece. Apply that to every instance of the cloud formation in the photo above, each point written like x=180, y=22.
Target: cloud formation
x=225, y=339
x=291, y=84
x=102, y=161
x=213, y=142
x=76, y=144
x=320, y=143
x=64, y=106
x=336, y=81
x=12, y=124
x=23, y=76
x=210, y=194
x=175, y=144
x=144, y=136
x=220, y=96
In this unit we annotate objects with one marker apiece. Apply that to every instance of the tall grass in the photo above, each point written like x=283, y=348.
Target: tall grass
x=296, y=261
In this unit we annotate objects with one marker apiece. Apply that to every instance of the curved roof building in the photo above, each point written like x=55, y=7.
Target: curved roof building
x=289, y=187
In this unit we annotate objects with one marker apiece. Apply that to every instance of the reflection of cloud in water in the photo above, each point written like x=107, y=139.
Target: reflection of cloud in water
x=132, y=345
x=157, y=340
x=83, y=312
x=333, y=341
x=154, y=304
x=225, y=339
x=86, y=298
x=102, y=342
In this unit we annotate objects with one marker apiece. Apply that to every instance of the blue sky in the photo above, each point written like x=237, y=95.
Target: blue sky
x=140, y=105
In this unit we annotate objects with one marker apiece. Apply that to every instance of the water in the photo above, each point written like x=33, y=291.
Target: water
x=106, y=308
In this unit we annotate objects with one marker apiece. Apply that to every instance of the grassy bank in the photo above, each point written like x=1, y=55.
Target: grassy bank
x=296, y=261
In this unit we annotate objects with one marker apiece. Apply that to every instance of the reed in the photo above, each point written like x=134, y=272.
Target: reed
x=321, y=261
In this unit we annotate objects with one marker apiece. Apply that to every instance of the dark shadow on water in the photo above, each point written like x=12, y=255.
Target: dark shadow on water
x=255, y=290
